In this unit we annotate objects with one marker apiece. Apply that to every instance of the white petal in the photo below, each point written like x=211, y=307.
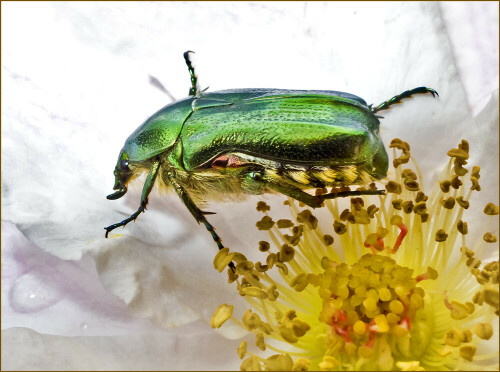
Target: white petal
x=186, y=348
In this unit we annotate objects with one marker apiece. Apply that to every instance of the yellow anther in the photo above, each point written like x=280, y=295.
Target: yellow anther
x=300, y=328
x=307, y=218
x=328, y=363
x=456, y=182
x=301, y=364
x=462, y=202
x=441, y=236
x=484, y=331
x=261, y=268
x=282, y=267
x=445, y=186
x=421, y=197
x=491, y=209
x=288, y=316
x=445, y=351
x=271, y=260
x=278, y=362
x=222, y=259
x=265, y=223
x=251, y=320
x=284, y=224
x=260, y=341
x=384, y=294
x=393, y=318
x=471, y=307
x=466, y=336
x=286, y=253
x=231, y=275
x=393, y=187
x=288, y=334
x=396, y=307
x=244, y=267
x=458, y=153
x=491, y=295
x=412, y=185
x=263, y=207
x=407, y=206
x=416, y=301
x=462, y=227
x=464, y=145
x=490, y=238
x=251, y=364
x=448, y=203
x=328, y=240
x=272, y=293
x=339, y=228
x=396, y=220
x=221, y=315
x=264, y=246
x=253, y=291
x=371, y=210
x=327, y=263
x=359, y=327
x=300, y=282
x=397, y=204
x=453, y=337
x=399, y=144
x=459, y=169
x=266, y=328
x=467, y=352
x=459, y=310
x=242, y=349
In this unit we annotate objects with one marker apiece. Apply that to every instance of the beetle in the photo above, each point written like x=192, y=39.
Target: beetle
x=254, y=141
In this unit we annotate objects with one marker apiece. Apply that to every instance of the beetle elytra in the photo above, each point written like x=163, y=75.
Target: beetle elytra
x=255, y=141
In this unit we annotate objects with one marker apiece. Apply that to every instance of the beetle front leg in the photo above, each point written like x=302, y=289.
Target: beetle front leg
x=406, y=94
x=148, y=186
x=197, y=213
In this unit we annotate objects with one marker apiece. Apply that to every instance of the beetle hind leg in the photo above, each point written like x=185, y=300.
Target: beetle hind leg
x=315, y=201
x=406, y=94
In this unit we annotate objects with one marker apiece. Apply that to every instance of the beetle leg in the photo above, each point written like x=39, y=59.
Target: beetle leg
x=316, y=201
x=148, y=186
x=193, y=91
x=197, y=213
x=407, y=94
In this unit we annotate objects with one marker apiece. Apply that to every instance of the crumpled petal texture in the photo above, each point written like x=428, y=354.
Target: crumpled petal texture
x=75, y=84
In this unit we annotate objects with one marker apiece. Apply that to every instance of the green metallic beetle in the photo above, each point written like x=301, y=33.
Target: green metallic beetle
x=255, y=141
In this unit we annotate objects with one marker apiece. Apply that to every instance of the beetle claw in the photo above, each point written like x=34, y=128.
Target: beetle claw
x=205, y=213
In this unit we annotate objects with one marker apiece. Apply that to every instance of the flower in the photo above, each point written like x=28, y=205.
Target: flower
x=395, y=284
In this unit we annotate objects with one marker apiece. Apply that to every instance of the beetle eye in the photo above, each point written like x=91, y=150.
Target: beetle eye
x=124, y=165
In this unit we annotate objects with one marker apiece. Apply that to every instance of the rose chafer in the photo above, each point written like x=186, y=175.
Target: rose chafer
x=254, y=141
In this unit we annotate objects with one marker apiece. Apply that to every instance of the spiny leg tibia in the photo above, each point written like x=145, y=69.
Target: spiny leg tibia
x=197, y=213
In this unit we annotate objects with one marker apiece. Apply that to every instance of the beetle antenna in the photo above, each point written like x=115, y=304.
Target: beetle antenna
x=193, y=91
x=406, y=94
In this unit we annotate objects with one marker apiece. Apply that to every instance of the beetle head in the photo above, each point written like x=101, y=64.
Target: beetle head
x=122, y=176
